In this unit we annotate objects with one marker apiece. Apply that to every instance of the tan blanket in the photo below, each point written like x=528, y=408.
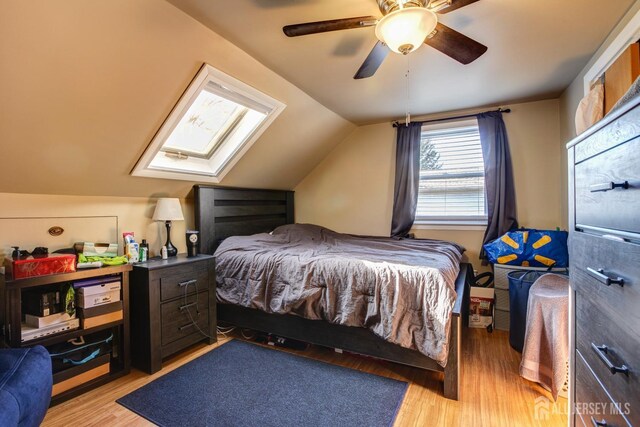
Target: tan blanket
x=546, y=343
x=402, y=290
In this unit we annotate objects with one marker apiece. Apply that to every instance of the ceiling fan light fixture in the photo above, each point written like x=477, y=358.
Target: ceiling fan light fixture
x=406, y=29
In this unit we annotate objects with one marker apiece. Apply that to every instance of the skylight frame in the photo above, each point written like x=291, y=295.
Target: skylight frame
x=158, y=161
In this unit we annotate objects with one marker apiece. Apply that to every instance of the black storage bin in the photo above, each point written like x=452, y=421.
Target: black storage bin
x=67, y=355
x=519, y=284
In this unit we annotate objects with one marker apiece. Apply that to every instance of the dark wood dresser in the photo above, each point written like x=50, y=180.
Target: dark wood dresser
x=604, y=248
x=173, y=305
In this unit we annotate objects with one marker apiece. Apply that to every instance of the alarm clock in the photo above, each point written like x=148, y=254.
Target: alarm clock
x=192, y=243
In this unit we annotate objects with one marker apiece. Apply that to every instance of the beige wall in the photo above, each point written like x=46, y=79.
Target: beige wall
x=86, y=84
x=133, y=214
x=352, y=189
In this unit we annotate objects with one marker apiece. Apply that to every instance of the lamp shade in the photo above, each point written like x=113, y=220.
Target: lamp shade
x=168, y=210
x=405, y=30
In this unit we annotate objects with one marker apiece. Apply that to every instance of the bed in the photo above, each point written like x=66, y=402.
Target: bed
x=226, y=213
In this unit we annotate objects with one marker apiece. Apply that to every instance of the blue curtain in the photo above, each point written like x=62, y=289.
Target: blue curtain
x=405, y=192
x=498, y=175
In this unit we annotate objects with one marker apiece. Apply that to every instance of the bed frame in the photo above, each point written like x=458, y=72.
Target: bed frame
x=221, y=212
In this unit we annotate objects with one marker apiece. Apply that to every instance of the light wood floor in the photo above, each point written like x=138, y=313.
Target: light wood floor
x=493, y=394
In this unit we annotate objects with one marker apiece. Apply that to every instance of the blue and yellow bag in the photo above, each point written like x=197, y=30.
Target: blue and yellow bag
x=530, y=248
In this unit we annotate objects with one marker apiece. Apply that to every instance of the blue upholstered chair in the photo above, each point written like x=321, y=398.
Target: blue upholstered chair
x=25, y=386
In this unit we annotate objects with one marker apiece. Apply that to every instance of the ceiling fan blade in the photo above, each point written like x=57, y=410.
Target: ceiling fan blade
x=456, y=45
x=296, y=30
x=373, y=61
x=456, y=4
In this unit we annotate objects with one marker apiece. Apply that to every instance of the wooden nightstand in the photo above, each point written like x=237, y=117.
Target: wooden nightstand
x=173, y=305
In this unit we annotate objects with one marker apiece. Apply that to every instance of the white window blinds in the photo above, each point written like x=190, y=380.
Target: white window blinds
x=451, y=175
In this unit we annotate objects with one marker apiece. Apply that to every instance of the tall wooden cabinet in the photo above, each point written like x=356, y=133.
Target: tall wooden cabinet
x=604, y=247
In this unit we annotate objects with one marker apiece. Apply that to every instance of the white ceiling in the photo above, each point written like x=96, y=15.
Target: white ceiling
x=536, y=48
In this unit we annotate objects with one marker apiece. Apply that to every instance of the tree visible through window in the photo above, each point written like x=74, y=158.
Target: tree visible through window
x=451, y=189
x=429, y=156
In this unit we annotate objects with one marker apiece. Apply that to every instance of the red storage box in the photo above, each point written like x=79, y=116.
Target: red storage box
x=31, y=267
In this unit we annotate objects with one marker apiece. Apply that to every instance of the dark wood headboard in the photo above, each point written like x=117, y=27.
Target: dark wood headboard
x=224, y=211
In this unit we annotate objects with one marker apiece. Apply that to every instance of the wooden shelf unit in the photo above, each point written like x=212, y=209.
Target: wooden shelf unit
x=11, y=320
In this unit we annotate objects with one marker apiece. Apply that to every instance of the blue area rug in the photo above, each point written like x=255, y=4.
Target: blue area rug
x=242, y=384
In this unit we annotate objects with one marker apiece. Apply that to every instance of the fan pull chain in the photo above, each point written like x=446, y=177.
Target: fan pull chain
x=407, y=118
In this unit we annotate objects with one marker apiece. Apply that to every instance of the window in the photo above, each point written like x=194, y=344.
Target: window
x=215, y=122
x=451, y=190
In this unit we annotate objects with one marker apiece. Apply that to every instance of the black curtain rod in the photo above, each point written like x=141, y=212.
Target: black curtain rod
x=467, y=116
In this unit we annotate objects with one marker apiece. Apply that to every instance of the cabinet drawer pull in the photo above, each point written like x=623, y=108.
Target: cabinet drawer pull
x=602, y=352
x=597, y=423
x=182, y=328
x=608, y=186
x=599, y=275
x=184, y=307
x=187, y=283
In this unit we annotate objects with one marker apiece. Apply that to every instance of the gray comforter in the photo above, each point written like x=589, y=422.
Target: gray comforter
x=402, y=290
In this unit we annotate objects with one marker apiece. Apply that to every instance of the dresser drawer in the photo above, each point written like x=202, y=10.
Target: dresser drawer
x=592, y=402
x=607, y=189
x=595, y=259
x=176, y=322
x=175, y=280
x=625, y=128
x=599, y=325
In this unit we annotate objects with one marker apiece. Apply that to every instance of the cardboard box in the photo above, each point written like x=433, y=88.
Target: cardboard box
x=103, y=319
x=113, y=285
x=106, y=250
x=98, y=292
x=32, y=267
x=77, y=375
x=99, y=310
x=481, y=307
x=93, y=300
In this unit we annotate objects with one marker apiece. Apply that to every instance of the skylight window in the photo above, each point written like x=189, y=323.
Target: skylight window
x=215, y=122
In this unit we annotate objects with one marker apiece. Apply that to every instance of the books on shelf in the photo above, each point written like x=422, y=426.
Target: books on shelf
x=29, y=333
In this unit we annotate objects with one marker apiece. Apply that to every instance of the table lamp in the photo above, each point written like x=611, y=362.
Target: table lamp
x=168, y=210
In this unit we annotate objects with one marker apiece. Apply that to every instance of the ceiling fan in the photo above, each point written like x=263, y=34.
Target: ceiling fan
x=405, y=25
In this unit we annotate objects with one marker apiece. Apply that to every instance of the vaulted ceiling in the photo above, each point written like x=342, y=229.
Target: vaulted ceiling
x=86, y=84
x=536, y=48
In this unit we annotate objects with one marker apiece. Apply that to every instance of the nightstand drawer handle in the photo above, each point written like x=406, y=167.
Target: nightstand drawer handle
x=187, y=283
x=597, y=423
x=602, y=352
x=608, y=186
x=603, y=278
x=184, y=307
x=182, y=328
